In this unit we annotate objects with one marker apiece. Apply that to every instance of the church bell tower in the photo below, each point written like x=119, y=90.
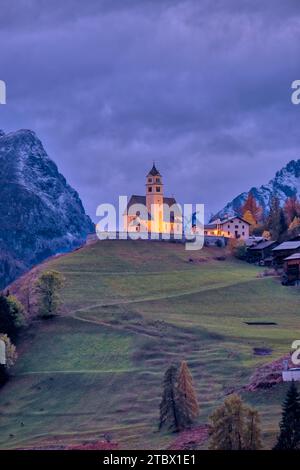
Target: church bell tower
x=155, y=199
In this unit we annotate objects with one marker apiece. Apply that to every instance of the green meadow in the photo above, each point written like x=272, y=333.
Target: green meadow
x=129, y=310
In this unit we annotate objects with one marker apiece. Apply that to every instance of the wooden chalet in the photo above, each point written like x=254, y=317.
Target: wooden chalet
x=284, y=250
x=262, y=252
x=292, y=267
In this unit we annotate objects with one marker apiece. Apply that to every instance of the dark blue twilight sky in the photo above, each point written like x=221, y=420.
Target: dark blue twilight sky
x=202, y=87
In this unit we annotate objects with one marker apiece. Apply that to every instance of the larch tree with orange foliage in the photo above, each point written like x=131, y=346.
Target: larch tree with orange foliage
x=248, y=216
x=251, y=206
x=291, y=209
x=295, y=224
x=187, y=397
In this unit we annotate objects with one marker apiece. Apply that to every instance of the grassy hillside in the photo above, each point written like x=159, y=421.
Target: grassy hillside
x=130, y=308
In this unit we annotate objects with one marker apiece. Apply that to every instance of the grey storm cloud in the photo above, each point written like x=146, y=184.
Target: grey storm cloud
x=201, y=87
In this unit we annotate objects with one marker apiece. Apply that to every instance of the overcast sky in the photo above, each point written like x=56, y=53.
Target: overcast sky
x=202, y=87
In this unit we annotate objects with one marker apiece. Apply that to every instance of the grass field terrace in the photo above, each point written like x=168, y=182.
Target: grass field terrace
x=129, y=309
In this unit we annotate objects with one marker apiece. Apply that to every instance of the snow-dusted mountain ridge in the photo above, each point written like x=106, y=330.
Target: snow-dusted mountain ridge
x=40, y=213
x=285, y=184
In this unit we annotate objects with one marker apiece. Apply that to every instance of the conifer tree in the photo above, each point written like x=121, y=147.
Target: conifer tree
x=168, y=407
x=289, y=436
x=291, y=209
x=274, y=219
x=282, y=222
x=187, y=398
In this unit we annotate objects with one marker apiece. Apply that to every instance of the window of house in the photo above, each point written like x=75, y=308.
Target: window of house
x=157, y=180
x=150, y=190
x=243, y=233
x=236, y=226
x=149, y=180
x=243, y=226
x=228, y=233
x=157, y=189
x=228, y=226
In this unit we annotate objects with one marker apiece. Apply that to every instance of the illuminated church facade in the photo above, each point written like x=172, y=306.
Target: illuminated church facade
x=153, y=212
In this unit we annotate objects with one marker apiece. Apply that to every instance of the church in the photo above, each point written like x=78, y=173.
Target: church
x=153, y=212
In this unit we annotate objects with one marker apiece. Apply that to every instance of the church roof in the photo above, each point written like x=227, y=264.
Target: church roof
x=142, y=200
x=135, y=199
x=154, y=171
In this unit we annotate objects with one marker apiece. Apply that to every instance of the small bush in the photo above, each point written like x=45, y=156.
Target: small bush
x=238, y=249
x=11, y=315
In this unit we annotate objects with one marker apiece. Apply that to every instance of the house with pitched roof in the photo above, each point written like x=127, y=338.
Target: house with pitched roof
x=230, y=227
x=292, y=267
x=153, y=212
x=284, y=250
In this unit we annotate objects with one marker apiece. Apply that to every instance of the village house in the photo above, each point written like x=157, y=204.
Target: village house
x=262, y=252
x=284, y=250
x=231, y=227
x=292, y=267
x=153, y=212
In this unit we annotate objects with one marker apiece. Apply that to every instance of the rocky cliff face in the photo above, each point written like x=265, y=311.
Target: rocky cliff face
x=40, y=214
x=286, y=183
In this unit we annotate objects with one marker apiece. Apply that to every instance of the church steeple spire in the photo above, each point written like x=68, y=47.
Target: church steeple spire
x=154, y=171
x=155, y=197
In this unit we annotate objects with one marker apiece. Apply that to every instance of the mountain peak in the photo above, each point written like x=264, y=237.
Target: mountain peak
x=285, y=184
x=292, y=167
x=41, y=214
